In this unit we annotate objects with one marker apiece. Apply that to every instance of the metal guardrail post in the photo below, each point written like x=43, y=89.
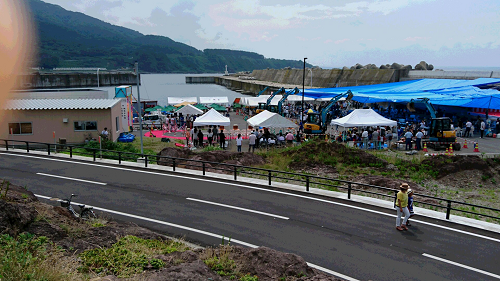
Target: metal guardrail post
x=269, y=177
x=119, y=157
x=94, y=151
x=203, y=165
x=145, y=161
x=27, y=147
x=173, y=163
x=70, y=152
x=235, y=172
x=48, y=149
x=349, y=188
x=6, y=145
x=307, y=183
x=448, y=210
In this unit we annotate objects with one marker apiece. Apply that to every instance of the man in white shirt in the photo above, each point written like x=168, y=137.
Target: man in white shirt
x=105, y=134
x=408, y=137
x=468, y=126
x=483, y=127
x=419, y=136
x=251, y=141
x=364, y=136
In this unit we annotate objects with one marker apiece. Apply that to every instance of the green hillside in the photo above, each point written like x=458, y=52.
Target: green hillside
x=71, y=39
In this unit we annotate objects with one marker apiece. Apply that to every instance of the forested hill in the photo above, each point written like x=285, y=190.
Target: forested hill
x=70, y=39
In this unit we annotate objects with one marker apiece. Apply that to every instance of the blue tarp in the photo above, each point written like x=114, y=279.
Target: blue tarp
x=450, y=92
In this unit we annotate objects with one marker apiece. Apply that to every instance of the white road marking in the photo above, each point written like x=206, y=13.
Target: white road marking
x=73, y=179
x=461, y=265
x=257, y=188
x=205, y=233
x=238, y=208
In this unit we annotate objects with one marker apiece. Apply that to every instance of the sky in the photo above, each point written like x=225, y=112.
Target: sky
x=330, y=33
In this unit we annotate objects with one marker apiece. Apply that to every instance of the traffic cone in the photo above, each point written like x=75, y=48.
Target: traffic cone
x=425, y=147
x=465, y=144
x=451, y=149
x=476, y=147
x=447, y=152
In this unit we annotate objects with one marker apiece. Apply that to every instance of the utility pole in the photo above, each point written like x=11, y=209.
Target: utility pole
x=139, y=103
x=98, y=78
x=303, y=86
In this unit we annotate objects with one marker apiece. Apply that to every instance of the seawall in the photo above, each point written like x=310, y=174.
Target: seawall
x=74, y=80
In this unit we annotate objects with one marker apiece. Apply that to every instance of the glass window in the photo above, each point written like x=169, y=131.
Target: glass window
x=79, y=126
x=14, y=128
x=91, y=126
x=117, y=124
x=24, y=128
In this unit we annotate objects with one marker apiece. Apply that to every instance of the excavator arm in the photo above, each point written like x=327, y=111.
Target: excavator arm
x=260, y=93
x=411, y=106
x=285, y=96
x=335, y=99
x=282, y=90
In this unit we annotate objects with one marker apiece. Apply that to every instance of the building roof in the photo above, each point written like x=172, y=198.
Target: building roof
x=50, y=104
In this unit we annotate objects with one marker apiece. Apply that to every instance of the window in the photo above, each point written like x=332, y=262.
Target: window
x=25, y=128
x=85, y=125
x=117, y=124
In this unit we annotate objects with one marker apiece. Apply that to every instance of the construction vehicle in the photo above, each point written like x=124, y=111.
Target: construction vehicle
x=440, y=133
x=285, y=96
x=266, y=105
x=317, y=123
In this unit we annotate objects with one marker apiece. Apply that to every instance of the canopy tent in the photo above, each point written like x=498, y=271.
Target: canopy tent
x=298, y=98
x=236, y=105
x=200, y=106
x=150, y=109
x=218, y=100
x=217, y=107
x=212, y=117
x=177, y=100
x=184, y=103
x=169, y=108
x=189, y=109
x=158, y=107
x=450, y=92
x=254, y=101
x=270, y=120
x=363, y=117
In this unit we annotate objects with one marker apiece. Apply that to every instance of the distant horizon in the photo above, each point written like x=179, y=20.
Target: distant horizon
x=448, y=68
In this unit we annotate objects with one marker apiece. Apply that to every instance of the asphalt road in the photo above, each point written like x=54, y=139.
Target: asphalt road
x=359, y=242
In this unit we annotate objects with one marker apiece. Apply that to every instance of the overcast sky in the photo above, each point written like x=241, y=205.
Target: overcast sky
x=330, y=33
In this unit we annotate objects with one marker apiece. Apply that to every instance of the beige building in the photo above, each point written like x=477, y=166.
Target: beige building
x=74, y=120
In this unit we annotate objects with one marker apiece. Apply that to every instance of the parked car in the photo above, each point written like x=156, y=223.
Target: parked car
x=126, y=137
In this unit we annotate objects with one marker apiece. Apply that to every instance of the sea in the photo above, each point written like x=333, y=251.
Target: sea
x=159, y=87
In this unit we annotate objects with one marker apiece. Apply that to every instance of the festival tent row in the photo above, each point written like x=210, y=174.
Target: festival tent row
x=179, y=100
x=449, y=92
x=270, y=120
x=194, y=100
x=216, y=100
x=211, y=117
x=363, y=117
x=189, y=109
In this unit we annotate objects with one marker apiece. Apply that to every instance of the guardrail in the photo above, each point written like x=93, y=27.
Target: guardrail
x=236, y=170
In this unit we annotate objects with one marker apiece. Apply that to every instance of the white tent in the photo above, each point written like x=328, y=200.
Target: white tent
x=270, y=120
x=253, y=101
x=298, y=98
x=177, y=100
x=217, y=100
x=363, y=117
x=189, y=109
x=212, y=117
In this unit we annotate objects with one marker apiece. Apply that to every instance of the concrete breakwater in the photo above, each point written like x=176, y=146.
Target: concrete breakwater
x=74, y=80
x=291, y=78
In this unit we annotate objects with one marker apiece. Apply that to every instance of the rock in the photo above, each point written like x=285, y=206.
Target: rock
x=51, y=231
x=422, y=66
x=408, y=67
x=384, y=67
x=15, y=217
x=345, y=68
x=396, y=66
x=430, y=67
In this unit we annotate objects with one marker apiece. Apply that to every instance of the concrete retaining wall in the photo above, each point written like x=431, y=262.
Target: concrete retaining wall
x=465, y=75
x=73, y=80
x=200, y=80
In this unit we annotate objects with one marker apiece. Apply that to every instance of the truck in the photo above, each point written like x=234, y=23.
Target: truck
x=441, y=136
x=317, y=123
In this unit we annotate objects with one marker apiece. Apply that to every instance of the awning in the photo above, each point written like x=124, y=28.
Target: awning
x=212, y=117
x=177, y=100
x=210, y=100
x=362, y=118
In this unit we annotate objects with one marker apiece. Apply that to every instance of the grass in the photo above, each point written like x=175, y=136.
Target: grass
x=128, y=257
x=34, y=258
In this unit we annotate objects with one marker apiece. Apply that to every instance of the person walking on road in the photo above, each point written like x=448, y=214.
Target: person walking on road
x=402, y=207
x=410, y=205
x=251, y=141
x=482, y=128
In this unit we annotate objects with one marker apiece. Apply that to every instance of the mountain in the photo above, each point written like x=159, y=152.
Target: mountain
x=71, y=39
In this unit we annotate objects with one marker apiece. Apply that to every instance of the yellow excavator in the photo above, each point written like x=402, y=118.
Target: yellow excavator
x=316, y=123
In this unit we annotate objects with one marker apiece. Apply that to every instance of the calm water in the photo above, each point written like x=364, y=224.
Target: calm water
x=161, y=86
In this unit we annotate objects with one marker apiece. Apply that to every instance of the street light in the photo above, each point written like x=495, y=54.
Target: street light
x=136, y=68
x=303, y=87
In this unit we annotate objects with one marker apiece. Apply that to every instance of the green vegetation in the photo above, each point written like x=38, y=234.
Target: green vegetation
x=33, y=258
x=5, y=183
x=69, y=39
x=129, y=256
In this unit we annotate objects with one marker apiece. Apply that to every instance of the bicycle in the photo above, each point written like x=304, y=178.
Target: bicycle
x=86, y=212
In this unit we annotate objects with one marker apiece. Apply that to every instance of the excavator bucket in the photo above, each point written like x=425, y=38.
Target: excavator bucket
x=349, y=97
x=411, y=106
